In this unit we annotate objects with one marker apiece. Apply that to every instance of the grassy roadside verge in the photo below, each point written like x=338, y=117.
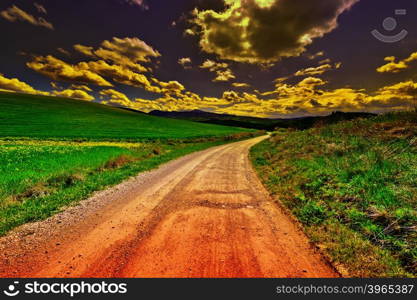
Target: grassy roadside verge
x=42, y=177
x=353, y=187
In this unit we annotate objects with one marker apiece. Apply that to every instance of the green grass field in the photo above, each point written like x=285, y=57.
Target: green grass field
x=25, y=164
x=39, y=180
x=50, y=117
x=353, y=185
x=55, y=152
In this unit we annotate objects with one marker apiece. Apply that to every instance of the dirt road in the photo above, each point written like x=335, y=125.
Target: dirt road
x=204, y=215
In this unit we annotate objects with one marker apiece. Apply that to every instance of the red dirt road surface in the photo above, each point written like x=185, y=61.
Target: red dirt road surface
x=204, y=215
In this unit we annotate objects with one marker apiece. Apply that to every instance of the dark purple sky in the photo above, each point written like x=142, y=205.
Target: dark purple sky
x=90, y=22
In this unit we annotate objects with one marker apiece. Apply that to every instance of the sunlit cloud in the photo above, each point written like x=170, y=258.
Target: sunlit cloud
x=59, y=70
x=15, y=85
x=318, y=70
x=316, y=55
x=185, y=62
x=132, y=48
x=81, y=87
x=265, y=31
x=74, y=94
x=240, y=85
x=115, y=97
x=130, y=52
x=394, y=66
x=117, y=73
x=14, y=14
x=222, y=70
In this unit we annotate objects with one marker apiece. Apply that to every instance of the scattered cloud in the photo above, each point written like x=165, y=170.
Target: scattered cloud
x=131, y=48
x=87, y=51
x=119, y=74
x=115, y=97
x=81, y=87
x=325, y=61
x=222, y=70
x=15, y=85
x=14, y=14
x=185, y=62
x=264, y=31
x=59, y=70
x=224, y=75
x=394, y=66
x=129, y=52
x=317, y=70
x=241, y=85
x=75, y=94
x=316, y=55
x=189, y=32
x=55, y=85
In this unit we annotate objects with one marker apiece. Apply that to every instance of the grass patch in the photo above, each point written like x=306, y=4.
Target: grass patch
x=354, y=187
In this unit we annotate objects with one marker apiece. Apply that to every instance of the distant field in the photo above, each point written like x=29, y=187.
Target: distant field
x=50, y=117
x=353, y=185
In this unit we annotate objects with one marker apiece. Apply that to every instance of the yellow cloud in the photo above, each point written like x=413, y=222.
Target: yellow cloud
x=316, y=55
x=232, y=96
x=116, y=97
x=87, y=51
x=14, y=14
x=81, y=87
x=264, y=31
x=185, y=62
x=117, y=73
x=129, y=52
x=240, y=85
x=317, y=70
x=311, y=82
x=117, y=58
x=57, y=69
x=395, y=67
x=175, y=98
x=75, y=94
x=224, y=75
x=15, y=85
x=170, y=89
x=222, y=70
x=111, y=56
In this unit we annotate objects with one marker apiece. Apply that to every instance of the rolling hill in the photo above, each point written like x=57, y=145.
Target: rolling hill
x=258, y=123
x=50, y=117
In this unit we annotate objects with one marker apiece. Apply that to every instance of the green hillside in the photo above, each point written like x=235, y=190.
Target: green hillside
x=50, y=117
x=353, y=187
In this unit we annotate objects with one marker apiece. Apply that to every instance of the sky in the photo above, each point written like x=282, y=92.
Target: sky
x=263, y=58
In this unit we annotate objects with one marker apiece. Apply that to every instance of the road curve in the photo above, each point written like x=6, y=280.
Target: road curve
x=203, y=215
